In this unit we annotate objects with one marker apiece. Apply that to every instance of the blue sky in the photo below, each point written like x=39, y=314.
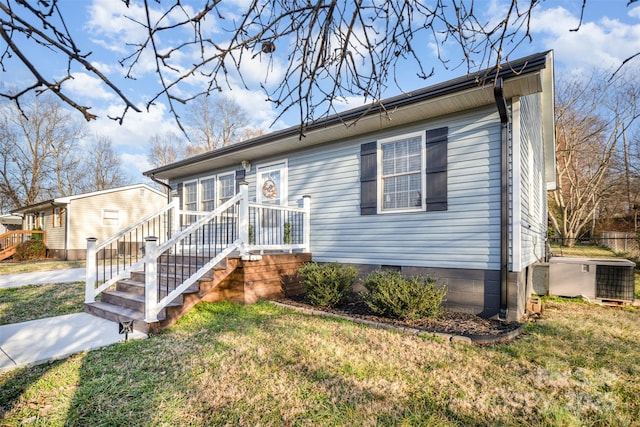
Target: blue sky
x=610, y=33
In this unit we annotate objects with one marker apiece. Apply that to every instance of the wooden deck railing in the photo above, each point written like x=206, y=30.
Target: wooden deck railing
x=10, y=240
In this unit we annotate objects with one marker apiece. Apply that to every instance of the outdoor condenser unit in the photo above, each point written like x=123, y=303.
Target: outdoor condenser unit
x=603, y=279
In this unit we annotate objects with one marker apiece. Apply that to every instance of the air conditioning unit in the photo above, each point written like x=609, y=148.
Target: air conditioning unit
x=605, y=279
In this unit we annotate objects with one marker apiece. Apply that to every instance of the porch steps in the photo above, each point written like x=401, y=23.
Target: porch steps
x=7, y=253
x=125, y=300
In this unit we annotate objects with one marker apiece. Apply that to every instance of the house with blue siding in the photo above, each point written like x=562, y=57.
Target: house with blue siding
x=449, y=180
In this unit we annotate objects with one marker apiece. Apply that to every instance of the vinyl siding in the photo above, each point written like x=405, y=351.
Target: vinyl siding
x=55, y=235
x=464, y=236
x=533, y=201
x=85, y=214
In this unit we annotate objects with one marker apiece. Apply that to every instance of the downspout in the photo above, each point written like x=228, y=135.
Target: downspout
x=164, y=184
x=66, y=230
x=501, y=103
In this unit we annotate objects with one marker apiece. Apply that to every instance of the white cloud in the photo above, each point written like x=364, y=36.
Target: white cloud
x=88, y=87
x=601, y=44
x=134, y=165
x=131, y=139
x=634, y=12
x=114, y=21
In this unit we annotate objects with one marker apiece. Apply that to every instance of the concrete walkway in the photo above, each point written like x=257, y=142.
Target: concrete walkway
x=40, y=341
x=42, y=277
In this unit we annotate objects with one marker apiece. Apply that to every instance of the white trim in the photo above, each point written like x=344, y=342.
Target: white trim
x=516, y=185
x=423, y=174
x=68, y=199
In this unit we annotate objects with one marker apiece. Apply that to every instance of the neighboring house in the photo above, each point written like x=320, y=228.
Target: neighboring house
x=69, y=221
x=10, y=222
x=449, y=180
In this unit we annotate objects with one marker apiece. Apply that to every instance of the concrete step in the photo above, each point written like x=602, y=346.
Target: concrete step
x=129, y=286
x=120, y=314
x=124, y=299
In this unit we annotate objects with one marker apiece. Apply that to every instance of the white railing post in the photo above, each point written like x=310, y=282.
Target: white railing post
x=306, y=204
x=243, y=218
x=175, y=217
x=150, y=279
x=91, y=271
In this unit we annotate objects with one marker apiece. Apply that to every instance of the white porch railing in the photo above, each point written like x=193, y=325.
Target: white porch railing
x=161, y=246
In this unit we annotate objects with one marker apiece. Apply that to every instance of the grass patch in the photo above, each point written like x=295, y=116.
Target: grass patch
x=225, y=364
x=587, y=251
x=33, y=266
x=40, y=301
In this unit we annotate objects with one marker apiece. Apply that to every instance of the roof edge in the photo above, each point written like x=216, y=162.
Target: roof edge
x=67, y=199
x=506, y=70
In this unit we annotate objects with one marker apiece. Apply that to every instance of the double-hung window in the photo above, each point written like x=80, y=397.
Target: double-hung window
x=403, y=172
x=227, y=187
x=190, y=196
x=208, y=194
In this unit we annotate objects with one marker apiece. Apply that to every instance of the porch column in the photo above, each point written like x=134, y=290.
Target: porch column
x=91, y=271
x=150, y=280
x=306, y=204
x=243, y=218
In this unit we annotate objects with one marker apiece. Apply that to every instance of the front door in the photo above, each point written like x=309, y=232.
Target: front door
x=271, y=189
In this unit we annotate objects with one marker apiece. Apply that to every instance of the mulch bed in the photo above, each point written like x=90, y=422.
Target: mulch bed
x=450, y=322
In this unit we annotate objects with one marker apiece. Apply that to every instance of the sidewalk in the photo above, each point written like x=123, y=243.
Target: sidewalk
x=40, y=341
x=42, y=277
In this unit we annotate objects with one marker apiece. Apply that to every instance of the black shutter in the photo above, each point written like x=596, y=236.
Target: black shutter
x=180, y=191
x=437, y=169
x=240, y=175
x=368, y=178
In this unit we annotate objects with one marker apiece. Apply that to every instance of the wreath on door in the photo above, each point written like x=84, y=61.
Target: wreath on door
x=269, y=189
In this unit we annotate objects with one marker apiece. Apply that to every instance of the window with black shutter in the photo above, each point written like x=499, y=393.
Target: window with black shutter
x=411, y=171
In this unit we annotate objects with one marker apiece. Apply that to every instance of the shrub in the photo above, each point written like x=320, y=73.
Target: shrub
x=327, y=285
x=30, y=250
x=407, y=298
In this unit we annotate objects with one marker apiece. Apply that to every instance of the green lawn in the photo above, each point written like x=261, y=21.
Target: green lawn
x=225, y=364
x=40, y=301
x=587, y=251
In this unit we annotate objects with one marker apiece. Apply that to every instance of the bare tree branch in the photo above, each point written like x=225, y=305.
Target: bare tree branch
x=330, y=49
x=318, y=54
x=60, y=42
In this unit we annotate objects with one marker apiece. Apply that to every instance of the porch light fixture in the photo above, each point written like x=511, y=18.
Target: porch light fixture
x=246, y=165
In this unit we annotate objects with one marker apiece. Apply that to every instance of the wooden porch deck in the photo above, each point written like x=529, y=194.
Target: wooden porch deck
x=10, y=240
